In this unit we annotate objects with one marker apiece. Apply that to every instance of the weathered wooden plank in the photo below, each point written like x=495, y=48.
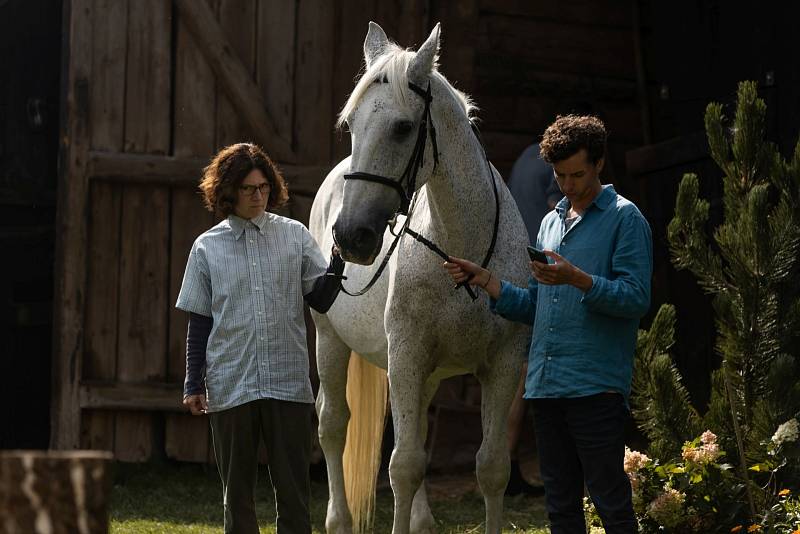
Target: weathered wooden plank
x=186, y=437
x=515, y=75
x=671, y=153
x=143, y=310
x=576, y=12
x=137, y=396
x=55, y=492
x=459, y=35
x=144, y=253
x=352, y=22
x=146, y=168
x=102, y=305
x=185, y=171
x=147, y=95
x=557, y=46
x=194, y=442
x=109, y=49
x=275, y=56
x=237, y=18
x=233, y=76
x=70, y=265
x=315, y=118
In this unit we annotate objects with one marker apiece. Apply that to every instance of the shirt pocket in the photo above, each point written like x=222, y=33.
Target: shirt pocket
x=286, y=272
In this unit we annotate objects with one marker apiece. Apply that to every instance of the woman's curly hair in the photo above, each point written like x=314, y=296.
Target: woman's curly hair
x=223, y=176
x=569, y=134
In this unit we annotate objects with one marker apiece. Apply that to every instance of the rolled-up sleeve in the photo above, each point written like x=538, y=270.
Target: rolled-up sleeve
x=626, y=293
x=195, y=293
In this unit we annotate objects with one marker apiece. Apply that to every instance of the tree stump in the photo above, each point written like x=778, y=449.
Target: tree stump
x=54, y=492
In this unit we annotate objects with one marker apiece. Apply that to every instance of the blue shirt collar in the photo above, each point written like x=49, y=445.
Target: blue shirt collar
x=238, y=224
x=602, y=200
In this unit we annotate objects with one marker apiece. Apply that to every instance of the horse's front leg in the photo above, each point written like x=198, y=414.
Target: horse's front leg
x=333, y=357
x=498, y=386
x=407, y=465
x=422, y=521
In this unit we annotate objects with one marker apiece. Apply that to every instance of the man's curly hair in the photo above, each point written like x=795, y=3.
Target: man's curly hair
x=226, y=172
x=569, y=134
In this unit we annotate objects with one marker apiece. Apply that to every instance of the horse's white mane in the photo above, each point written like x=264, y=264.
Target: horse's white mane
x=392, y=65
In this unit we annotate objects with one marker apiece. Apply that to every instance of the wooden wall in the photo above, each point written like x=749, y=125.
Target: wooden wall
x=152, y=88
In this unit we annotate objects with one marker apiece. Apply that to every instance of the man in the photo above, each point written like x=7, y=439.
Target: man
x=585, y=308
x=244, y=287
x=535, y=191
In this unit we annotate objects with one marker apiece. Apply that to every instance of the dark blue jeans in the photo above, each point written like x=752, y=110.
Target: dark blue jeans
x=583, y=440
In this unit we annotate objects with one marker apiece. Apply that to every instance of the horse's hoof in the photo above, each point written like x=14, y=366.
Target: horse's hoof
x=337, y=524
x=423, y=525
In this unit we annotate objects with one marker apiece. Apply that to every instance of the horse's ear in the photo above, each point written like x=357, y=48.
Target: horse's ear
x=375, y=43
x=425, y=58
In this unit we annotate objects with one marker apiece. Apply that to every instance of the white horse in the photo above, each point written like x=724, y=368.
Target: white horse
x=412, y=321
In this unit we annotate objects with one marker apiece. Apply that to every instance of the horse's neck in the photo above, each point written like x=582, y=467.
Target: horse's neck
x=460, y=196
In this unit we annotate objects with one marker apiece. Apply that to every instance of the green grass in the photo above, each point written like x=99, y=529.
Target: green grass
x=184, y=499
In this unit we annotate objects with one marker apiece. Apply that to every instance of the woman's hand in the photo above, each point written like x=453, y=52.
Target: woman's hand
x=197, y=404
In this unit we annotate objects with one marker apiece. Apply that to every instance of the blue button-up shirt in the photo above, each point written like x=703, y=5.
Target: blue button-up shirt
x=583, y=343
x=250, y=277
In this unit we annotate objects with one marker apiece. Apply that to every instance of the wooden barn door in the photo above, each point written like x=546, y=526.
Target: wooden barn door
x=152, y=88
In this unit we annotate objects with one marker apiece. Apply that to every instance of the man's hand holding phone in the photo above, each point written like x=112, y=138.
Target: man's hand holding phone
x=537, y=255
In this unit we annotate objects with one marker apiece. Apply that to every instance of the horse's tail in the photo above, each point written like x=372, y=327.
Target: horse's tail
x=367, y=387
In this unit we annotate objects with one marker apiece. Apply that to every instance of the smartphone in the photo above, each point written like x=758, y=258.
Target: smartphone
x=537, y=255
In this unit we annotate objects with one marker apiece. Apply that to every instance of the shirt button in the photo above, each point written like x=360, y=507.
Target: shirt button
x=254, y=264
x=258, y=289
x=260, y=313
x=555, y=299
x=252, y=241
x=549, y=329
x=261, y=338
x=549, y=358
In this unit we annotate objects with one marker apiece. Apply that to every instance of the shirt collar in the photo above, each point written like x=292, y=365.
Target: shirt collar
x=238, y=224
x=602, y=200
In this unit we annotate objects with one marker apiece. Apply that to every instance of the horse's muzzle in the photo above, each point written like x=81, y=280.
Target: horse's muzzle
x=359, y=244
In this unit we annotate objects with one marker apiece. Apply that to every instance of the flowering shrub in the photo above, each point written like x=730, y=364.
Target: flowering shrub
x=698, y=492
x=695, y=493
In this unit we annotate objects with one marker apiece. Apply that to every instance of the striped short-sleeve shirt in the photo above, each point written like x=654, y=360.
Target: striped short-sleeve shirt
x=250, y=276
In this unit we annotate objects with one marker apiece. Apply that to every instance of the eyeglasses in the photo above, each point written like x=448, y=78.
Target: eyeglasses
x=250, y=190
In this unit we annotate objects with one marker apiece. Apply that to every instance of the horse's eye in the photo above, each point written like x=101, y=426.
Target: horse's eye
x=401, y=129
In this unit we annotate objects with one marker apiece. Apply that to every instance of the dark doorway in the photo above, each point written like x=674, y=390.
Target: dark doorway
x=30, y=55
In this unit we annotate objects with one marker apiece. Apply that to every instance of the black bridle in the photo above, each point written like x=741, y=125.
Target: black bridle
x=407, y=193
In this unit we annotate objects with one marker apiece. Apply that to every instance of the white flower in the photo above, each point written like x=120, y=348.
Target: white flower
x=787, y=432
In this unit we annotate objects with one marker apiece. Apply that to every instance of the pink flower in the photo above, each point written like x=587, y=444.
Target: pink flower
x=667, y=508
x=705, y=453
x=634, y=461
x=708, y=438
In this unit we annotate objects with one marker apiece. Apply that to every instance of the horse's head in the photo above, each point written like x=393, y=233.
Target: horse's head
x=383, y=115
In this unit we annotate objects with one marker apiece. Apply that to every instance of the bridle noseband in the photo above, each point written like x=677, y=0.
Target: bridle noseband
x=409, y=178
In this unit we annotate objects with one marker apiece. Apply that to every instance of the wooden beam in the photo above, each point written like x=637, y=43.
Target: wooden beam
x=185, y=172
x=156, y=396
x=234, y=77
x=666, y=154
x=71, y=221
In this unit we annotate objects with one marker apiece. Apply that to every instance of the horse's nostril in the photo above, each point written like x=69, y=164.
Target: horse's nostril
x=364, y=237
